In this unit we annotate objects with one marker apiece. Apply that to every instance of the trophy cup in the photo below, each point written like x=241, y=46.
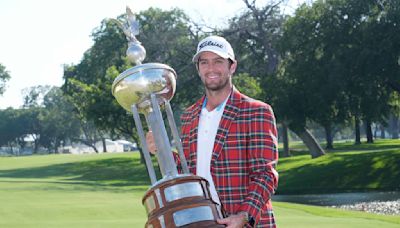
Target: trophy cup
x=176, y=200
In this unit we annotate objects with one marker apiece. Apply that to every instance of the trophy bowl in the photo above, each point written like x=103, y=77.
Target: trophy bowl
x=135, y=85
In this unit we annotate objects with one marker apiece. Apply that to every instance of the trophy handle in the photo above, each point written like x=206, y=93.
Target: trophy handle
x=177, y=139
x=139, y=127
x=164, y=155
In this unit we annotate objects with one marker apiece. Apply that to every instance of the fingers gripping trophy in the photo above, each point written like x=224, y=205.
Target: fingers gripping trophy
x=176, y=200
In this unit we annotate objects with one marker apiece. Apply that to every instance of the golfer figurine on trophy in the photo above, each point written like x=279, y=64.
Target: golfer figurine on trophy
x=176, y=200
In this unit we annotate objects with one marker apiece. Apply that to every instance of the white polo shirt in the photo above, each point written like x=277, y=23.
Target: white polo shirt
x=207, y=130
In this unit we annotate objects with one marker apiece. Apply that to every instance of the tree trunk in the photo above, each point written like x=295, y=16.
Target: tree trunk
x=103, y=140
x=11, y=148
x=370, y=137
x=357, y=130
x=285, y=139
x=142, y=160
x=328, y=136
x=35, y=146
x=311, y=143
x=56, y=147
x=394, y=126
x=135, y=138
x=94, y=148
x=383, y=134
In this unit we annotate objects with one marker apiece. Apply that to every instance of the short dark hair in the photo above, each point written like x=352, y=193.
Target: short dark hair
x=229, y=60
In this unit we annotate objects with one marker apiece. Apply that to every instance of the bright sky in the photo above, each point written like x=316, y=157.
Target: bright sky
x=39, y=36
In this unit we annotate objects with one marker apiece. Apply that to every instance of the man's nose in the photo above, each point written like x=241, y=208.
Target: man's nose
x=211, y=66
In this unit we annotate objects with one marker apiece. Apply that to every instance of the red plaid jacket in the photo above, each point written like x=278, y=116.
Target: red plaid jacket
x=244, y=156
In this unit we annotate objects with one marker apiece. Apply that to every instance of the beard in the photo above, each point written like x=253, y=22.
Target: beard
x=217, y=85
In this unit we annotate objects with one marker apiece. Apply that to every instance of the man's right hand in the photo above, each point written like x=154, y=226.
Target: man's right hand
x=151, y=143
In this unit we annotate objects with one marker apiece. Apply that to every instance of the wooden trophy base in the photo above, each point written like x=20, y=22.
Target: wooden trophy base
x=183, y=201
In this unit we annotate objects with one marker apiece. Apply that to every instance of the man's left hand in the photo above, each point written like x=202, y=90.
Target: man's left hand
x=233, y=221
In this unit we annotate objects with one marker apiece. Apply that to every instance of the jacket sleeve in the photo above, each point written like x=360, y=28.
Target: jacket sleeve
x=262, y=158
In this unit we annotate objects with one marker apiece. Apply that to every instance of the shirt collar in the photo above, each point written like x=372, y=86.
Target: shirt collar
x=219, y=107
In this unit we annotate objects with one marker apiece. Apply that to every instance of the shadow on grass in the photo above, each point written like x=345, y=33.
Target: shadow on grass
x=107, y=172
x=343, y=172
x=378, y=145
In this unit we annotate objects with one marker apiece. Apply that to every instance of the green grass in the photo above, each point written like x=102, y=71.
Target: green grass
x=348, y=168
x=72, y=191
x=105, y=190
x=298, y=216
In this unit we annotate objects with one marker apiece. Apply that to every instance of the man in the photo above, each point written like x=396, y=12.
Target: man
x=231, y=140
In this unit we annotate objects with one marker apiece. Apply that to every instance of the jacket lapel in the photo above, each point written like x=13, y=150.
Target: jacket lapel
x=230, y=112
x=193, y=136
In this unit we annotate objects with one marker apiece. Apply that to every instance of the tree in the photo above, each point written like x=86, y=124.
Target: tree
x=9, y=130
x=255, y=34
x=16, y=124
x=312, y=61
x=166, y=35
x=31, y=111
x=383, y=74
x=247, y=85
x=58, y=122
x=333, y=50
x=33, y=96
x=4, y=77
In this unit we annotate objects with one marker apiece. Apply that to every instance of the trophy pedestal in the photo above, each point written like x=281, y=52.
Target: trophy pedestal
x=182, y=201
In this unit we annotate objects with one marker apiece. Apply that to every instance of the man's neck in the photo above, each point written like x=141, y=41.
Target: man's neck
x=215, y=98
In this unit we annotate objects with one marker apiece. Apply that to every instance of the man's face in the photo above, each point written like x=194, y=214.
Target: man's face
x=215, y=72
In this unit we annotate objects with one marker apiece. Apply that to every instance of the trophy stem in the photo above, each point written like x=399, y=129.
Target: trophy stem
x=175, y=134
x=164, y=155
x=146, y=154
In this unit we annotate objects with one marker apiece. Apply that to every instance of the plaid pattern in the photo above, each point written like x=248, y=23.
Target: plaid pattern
x=244, y=156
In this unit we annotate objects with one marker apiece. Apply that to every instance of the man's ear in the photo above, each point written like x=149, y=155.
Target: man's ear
x=233, y=67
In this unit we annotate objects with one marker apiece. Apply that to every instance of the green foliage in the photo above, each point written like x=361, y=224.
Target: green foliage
x=165, y=36
x=338, y=59
x=336, y=54
x=4, y=77
x=248, y=85
x=254, y=35
x=16, y=124
x=10, y=126
x=33, y=96
x=310, y=68
x=47, y=117
x=58, y=121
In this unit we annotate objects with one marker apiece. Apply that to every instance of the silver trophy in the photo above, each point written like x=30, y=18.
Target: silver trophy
x=176, y=200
